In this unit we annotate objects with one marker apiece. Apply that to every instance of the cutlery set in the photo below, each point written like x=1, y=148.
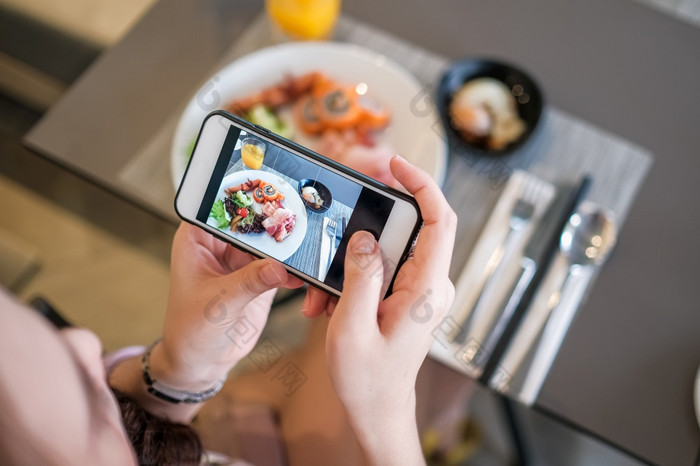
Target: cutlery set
x=520, y=218
x=525, y=278
x=585, y=243
x=482, y=291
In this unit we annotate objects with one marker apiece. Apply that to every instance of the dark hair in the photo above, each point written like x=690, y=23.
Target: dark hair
x=158, y=441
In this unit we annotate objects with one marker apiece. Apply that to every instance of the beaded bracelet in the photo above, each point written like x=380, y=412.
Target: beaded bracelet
x=168, y=394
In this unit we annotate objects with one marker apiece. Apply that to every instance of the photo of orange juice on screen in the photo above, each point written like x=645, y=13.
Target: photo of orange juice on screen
x=252, y=153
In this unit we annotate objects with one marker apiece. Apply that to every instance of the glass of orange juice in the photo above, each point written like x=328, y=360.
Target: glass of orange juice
x=303, y=19
x=252, y=153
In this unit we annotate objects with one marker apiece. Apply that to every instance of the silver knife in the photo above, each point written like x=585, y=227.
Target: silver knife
x=325, y=251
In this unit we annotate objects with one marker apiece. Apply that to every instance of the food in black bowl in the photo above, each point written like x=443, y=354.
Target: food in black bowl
x=488, y=107
x=315, y=195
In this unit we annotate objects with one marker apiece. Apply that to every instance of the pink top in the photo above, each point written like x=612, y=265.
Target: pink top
x=113, y=359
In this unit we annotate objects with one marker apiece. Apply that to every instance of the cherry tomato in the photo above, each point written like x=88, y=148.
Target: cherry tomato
x=243, y=212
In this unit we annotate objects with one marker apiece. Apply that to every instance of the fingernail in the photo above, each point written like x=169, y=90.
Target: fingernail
x=269, y=275
x=363, y=243
x=305, y=304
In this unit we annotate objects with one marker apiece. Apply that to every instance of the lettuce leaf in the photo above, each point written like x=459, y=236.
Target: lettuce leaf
x=262, y=116
x=242, y=199
x=219, y=214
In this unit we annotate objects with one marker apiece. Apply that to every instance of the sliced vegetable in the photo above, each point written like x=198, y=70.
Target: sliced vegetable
x=235, y=221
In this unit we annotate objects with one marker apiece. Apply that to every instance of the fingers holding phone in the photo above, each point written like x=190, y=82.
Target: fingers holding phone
x=218, y=304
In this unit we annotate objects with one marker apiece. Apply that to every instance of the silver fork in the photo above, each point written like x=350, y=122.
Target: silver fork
x=331, y=230
x=520, y=216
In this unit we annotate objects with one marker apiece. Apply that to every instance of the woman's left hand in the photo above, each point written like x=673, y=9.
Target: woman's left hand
x=218, y=304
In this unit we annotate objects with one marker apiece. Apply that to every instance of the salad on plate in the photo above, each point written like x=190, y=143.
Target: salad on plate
x=260, y=211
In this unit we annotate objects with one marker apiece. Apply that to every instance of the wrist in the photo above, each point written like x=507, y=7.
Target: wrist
x=178, y=372
x=127, y=377
x=389, y=434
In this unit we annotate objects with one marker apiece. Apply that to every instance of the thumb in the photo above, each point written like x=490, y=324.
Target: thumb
x=364, y=275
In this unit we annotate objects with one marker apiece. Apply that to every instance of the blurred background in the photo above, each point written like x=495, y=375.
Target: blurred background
x=103, y=261
x=61, y=237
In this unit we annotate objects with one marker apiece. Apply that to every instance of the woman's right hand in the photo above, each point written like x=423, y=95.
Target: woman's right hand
x=374, y=348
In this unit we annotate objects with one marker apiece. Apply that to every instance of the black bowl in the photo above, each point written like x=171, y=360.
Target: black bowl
x=530, y=101
x=323, y=191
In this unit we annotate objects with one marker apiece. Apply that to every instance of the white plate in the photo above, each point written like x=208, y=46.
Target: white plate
x=413, y=134
x=263, y=241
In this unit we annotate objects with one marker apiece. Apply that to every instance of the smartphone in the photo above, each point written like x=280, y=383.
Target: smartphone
x=273, y=198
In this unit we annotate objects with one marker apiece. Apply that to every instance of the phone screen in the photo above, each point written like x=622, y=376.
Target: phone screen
x=289, y=207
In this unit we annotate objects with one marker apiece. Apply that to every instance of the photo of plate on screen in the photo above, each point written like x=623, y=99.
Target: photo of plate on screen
x=316, y=195
x=343, y=101
x=262, y=210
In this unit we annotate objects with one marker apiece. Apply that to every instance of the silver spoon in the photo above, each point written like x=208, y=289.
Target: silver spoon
x=587, y=239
